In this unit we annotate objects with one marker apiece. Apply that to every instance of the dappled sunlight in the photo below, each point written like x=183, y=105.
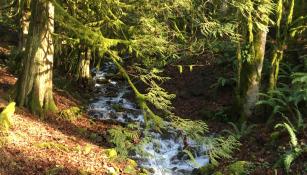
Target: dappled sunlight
x=31, y=139
x=151, y=87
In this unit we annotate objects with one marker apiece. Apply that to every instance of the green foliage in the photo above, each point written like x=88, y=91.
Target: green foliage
x=218, y=147
x=54, y=171
x=221, y=147
x=289, y=101
x=112, y=153
x=207, y=169
x=6, y=115
x=192, y=129
x=131, y=167
x=238, y=168
x=241, y=130
x=299, y=82
x=124, y=139
x=156, y=95
x=222, y=82
x=295, y=150
x=53, y=145
x=71, y=113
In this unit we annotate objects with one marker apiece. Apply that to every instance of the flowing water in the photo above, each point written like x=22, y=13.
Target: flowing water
x=164, y=154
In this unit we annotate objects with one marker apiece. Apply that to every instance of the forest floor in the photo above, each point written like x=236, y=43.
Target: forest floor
x=56, y=146
x=53, y=145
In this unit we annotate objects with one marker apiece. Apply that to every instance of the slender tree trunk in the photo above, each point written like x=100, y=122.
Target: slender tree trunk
x=281, y=40
x=35, y=82
x=250, y=67
x=250, y=76
x=84, y=74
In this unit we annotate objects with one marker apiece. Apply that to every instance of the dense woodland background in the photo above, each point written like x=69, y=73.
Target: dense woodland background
x=237, y=67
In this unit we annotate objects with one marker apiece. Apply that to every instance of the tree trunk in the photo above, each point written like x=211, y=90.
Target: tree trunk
x=281, y=41
x=250, y=67
x=34, y=88
x=24, y=25
x=84, y=74
x=250, y=76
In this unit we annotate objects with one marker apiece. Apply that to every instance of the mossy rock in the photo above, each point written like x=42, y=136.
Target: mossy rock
x=238, y=168
x=71, y=114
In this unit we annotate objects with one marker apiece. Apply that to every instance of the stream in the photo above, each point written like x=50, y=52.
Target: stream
x=164, y=154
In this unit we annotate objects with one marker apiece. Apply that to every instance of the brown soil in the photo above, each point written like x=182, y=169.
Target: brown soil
x=37, y=146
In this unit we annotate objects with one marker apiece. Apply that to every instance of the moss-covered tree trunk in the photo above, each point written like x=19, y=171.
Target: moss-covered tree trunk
x=250, y=57
x=282, y=35
x=34, y=86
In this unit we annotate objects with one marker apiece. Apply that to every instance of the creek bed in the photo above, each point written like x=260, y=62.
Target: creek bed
x=165, y=152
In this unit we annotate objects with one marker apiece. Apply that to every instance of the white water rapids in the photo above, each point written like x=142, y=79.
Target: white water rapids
x=164, y=154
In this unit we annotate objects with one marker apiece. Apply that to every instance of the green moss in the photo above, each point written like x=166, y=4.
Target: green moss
x=54, y=171
x=129, y=169
x=111, y=153
x=53, y=145
x=71, y=114
x=238, y=168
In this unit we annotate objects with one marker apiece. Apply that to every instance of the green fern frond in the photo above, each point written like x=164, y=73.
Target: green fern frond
x=221, y=148
x=293, y=139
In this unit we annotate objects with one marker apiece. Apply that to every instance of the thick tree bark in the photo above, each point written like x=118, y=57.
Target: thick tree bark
x=34, y=88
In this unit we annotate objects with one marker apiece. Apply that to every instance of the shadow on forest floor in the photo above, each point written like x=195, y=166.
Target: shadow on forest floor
x=13, y=161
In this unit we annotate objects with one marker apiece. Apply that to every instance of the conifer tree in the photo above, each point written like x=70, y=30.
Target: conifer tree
x=25, y=14
x=34, y=86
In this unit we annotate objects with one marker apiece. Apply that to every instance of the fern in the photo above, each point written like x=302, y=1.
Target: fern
x=240, y=131
x=192, y=159
x=192, y=129
x=288, y=100
x=295, y=151
x=299, y=81
x=220, y=148
x=124, y=139
x=293, y=139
